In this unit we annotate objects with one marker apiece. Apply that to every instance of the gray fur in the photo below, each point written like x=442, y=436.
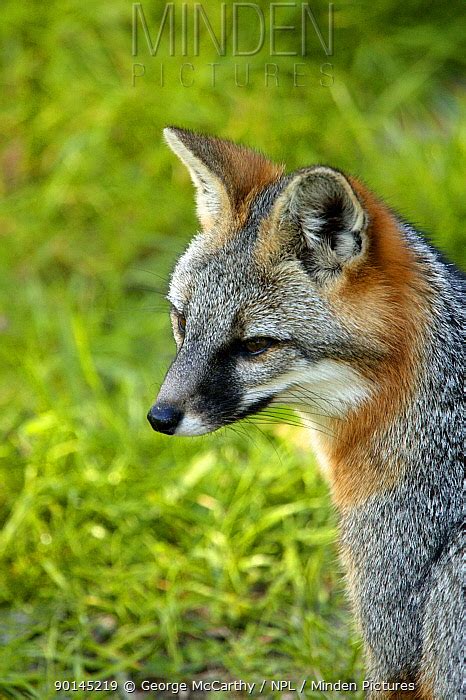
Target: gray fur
x=404, y=543
x=408, y=590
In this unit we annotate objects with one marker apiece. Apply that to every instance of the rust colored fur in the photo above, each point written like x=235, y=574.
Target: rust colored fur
x=383, y=292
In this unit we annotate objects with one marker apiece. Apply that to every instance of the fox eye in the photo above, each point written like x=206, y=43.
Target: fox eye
x=256, y=346
x=181, y=324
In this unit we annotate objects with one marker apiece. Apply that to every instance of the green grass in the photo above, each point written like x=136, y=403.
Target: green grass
x=126, y=554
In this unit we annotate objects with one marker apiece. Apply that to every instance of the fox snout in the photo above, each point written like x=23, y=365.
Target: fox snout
x=164, y=418
x=188, y=402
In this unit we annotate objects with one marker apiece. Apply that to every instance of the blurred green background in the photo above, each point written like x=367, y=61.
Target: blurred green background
x=126, y=554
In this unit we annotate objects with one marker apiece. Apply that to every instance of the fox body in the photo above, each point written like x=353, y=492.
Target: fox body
x=305, y=289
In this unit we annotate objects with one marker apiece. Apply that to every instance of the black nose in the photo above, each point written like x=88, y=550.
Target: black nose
x=164, y=419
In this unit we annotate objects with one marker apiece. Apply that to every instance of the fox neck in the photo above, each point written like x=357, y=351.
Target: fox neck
x=358, y=456
x=386, y=438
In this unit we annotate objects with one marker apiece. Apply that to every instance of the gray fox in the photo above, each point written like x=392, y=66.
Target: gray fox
x=306, y=289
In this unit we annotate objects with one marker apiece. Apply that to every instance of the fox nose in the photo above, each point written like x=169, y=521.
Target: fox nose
x=164, y=419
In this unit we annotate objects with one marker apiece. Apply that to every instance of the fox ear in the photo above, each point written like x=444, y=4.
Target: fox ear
x=211, y=195
x=223, y=173
x=321, y=206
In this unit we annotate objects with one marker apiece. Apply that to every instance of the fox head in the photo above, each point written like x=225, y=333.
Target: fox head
x=281, y=297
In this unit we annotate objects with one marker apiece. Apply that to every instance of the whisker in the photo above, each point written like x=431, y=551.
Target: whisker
x=278, y=407
x=146, y=288
x=275, y=416
x=308, y=394
x=237, y=431
x=251, y=421
x=151, y=272
x=294, y=425
x=123, y=312
x=307, y=391
x=294, y=407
